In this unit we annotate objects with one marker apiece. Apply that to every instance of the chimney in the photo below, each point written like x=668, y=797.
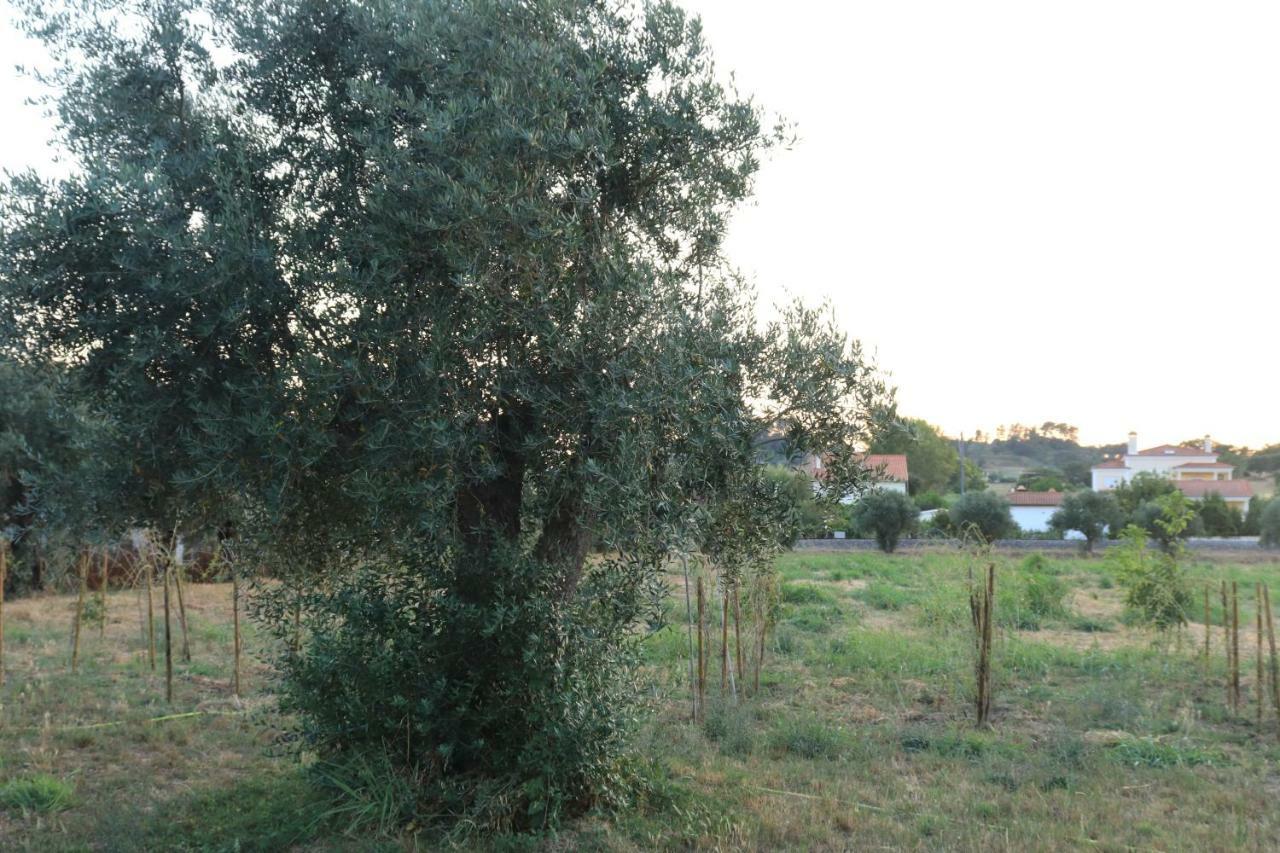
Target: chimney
x=1208, y=444
x=1133, y=443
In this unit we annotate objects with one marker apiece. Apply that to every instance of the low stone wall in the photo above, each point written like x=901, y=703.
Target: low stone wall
x=1071, y=546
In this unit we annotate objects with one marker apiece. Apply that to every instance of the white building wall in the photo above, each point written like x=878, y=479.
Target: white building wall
x=1033, y=518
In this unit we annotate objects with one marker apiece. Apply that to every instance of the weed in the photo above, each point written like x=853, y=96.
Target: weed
x=807, y=737
x=38, y=793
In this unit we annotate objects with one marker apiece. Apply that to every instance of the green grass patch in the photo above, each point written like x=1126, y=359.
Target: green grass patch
x=39, y=793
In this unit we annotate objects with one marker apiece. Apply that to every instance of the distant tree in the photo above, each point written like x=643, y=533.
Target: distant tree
x=1218, y=518
x=1145, y=486
x=1089, y=512
x=975, y=479
x=1043, y=479
x=886, y=515
x=1253, y=518
x=928, y=500
x=1168, y=519
x=1269, y=525
x=984, y=514
x=932, y=460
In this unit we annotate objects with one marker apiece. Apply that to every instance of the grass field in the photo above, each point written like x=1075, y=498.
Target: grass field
x=860, y=738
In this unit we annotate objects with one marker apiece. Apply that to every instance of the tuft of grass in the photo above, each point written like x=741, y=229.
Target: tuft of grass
x=39, y=793
x=885, y=596
x=809, y=738
x=1149, y=752
x=806, y=593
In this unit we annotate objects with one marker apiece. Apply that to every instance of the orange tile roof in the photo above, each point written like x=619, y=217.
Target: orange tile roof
x=891, y=466
x=1049, y=498
x=1223, y=465
x=1111, y=463
x=1226, y=488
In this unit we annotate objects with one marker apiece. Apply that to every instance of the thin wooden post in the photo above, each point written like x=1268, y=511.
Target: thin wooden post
x=182, y=605
x=688, y=618
x=762, y=610
x=1271, y=641
x=75, y=634
x=737, y=636
x=1226, y=636
x=168, y=641
x=102, y=595
x=724, y=640
x=4, y=577
x=235, y=630
x=1257, y=596
x=702, y=655
x=1235, y=648
x=1206, y=631
x=148, y=570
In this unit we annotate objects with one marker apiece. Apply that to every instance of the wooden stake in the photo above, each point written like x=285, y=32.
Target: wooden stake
x=168, y=641
x=182, y=606
x=1271, y=641
x=981, y=607
x=148, y=569
x=75, y=634
x=1257, y=595
x=688, y=619
x=724, y=640
x=1206, y=631
x=737, y=636
x=1226, y=637
x=764, y=628
x=1235, y=649
x=702, y=652
x=102, y=596
x=4, y=577
x=235, y=630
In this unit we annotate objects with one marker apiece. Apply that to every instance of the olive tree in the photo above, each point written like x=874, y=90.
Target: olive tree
x=886, y=515
x=985, y=515
x=1092, y=513
x=427, y=300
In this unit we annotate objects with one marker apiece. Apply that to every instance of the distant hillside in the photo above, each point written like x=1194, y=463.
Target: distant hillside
x=1053, y=446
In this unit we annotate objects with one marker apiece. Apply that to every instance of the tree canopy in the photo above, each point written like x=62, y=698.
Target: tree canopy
x=428, y=300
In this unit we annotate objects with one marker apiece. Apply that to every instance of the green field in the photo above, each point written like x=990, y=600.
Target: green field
x=861, y=736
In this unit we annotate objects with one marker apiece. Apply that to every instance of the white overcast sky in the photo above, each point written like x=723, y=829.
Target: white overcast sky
x=1029, y=210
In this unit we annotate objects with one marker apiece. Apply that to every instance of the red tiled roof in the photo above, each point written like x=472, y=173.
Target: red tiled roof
x=1222, y=465
x=1226, y=488
x=892, y=466
x=1049, y=498
x=1111, y=463
x=1174, y=450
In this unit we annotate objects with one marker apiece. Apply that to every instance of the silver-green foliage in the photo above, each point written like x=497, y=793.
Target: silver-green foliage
x=427, y=299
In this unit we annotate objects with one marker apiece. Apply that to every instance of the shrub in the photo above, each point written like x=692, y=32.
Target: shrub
x=929, y=500
x=984, y=515
x=1156, y=590
x=886, y=515
x=1218, y=518
x=1269, y=525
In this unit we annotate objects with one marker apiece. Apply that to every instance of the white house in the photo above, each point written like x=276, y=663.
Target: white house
x=1032, y=510
x=888, y=470
x=1194, y=470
